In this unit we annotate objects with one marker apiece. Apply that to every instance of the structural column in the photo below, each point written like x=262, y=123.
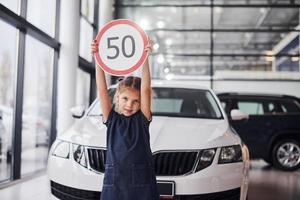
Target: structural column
x=68, y=62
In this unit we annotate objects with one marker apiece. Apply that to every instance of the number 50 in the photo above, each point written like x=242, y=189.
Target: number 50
x=116, y=48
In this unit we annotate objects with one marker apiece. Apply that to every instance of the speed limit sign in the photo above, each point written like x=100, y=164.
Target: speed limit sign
x=122, y=46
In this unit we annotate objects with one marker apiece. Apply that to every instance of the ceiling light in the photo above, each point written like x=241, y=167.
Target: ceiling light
x=144, y=23
x=218, y=10
x=160, y=59
x=269, y=53
x=262, y=10
x=167, y=70
x=160, y=24
x=269, y=56
x=168, y=42
x=295, y=58
x=169, y=76
x=247, y=35
x=155, y=46
x=182, y=70
x=196, y=10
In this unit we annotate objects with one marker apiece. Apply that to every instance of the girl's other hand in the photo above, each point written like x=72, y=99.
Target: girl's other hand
x=149, y=47
x=94, y=46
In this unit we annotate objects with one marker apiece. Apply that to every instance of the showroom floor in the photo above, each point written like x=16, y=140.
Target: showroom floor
x=265, y=184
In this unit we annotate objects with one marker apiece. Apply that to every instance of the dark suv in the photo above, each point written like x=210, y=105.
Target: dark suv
x=272, y=131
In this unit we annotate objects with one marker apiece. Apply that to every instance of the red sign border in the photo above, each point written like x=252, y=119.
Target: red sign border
x=140, y=61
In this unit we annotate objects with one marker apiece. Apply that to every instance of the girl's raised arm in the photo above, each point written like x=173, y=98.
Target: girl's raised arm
x=102, y=87
x=146, y=87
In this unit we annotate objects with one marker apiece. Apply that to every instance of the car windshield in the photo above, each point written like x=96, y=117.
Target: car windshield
x=177, y=102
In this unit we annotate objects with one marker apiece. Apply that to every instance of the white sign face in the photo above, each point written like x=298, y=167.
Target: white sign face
x=122, y=46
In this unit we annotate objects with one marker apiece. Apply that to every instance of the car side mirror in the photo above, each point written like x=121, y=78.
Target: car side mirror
x=238, y=115
x=77, y=111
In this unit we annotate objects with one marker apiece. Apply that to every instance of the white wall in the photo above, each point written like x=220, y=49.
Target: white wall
x=287, y=83
x=258, y=86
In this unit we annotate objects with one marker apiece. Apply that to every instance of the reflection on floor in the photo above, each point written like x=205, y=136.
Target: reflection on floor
x=265, y=184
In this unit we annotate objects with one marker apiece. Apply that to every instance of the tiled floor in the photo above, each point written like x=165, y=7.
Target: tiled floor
x=265, y=184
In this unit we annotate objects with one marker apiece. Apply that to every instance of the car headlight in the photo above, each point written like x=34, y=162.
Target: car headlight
x=206, y=158
x=230, y=154
x=62, y=149
x=79, y=154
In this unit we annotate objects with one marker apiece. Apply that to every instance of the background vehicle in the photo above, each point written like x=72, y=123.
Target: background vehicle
x=195, y=152
x=273, y=129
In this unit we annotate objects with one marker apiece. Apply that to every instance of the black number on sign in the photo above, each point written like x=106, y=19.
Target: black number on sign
x=123, y=46
x=110, y=46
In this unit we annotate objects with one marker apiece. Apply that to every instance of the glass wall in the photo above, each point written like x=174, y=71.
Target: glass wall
x=28, y=70
x=203, y=38
x=13, y=5
x=86, y=29
x=42, y=14
x=8, y=36
x=28, y=56
x=37, y=96
x=83, y=84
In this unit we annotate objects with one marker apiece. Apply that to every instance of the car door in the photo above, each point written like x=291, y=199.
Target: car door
x=255, y=132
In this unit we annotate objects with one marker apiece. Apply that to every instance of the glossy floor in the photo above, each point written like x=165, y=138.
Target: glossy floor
x=265, y=184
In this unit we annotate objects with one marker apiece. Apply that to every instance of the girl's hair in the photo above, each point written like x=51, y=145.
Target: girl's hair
x=129, y=82
x=132, y=82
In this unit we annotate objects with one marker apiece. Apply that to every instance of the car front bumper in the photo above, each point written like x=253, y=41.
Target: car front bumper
x=68, y=193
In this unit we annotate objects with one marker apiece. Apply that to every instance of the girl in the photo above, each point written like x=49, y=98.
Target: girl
x=129, y=172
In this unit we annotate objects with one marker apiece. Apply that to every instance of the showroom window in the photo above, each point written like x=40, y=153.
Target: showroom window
x=28, y=66
x=89, y=10
x=42, y=14
x=8, y=35
x=36, y=118
x=86, y=28
x=83, y=88
x=12, y=5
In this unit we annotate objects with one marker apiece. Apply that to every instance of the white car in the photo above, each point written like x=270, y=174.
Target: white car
x=196, y=154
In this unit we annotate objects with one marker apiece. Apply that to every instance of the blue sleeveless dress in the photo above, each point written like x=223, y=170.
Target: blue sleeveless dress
x=129, y=171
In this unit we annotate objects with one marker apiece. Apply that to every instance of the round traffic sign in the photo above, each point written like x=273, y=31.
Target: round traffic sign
x=122, y=46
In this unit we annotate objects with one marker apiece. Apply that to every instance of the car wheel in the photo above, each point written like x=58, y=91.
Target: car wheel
x=286, y=155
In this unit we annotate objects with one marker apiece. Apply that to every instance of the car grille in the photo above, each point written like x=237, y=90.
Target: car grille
x=97, y=158
x=174, y=163
x=165, y=163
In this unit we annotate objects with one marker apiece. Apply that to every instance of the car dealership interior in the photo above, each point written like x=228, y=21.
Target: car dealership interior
x=225, y=97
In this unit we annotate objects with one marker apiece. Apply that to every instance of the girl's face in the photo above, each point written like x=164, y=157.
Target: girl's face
x=128, y=101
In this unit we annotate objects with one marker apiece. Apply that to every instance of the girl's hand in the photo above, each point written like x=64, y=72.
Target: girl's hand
x=94, y=46
x=149, y=47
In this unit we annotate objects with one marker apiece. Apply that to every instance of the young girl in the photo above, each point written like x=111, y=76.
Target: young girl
x=129, y=171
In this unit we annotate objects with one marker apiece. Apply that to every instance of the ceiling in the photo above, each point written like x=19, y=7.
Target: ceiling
x=194, y=37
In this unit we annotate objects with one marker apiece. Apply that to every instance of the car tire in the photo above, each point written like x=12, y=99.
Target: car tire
x=286, y=155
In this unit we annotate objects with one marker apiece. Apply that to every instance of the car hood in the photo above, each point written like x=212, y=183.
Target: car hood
x=165, y=133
